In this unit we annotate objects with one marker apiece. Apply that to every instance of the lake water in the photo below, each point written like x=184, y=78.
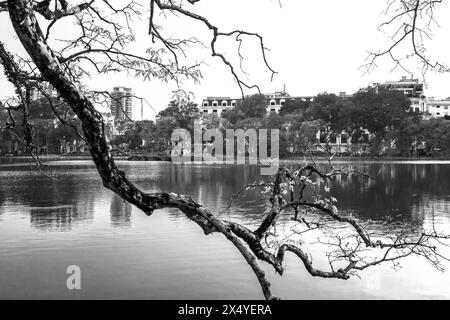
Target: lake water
x=46, y=225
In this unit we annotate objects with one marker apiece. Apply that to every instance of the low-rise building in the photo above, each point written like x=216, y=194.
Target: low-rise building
x=410, y=87
x=438, y=108
x=216, y=105
x=274, y=102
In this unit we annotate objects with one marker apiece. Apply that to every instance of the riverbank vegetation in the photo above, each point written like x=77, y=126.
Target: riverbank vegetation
x=368, y=124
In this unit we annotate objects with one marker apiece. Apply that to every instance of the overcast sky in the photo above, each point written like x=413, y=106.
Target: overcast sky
x=315, y=46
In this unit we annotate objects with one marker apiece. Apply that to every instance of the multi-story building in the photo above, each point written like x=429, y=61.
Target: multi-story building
x=122, y=103
x=274, y=102
x=411, y=87
x=216, y=105
x=438, y=108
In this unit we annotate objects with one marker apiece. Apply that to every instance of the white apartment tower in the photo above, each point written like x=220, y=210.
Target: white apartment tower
x=122, y=103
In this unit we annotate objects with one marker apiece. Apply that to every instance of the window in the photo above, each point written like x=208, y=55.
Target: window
x=446, y=107
x=233, y=103
x=215, y=111
x=224, y=104
x=272, y=110
x=323, y=138
x=215, y=104
x=205, y=111
x=438, y=106
x=438, y=114
x=333, y=139
x=206, y=104
x=282, y=102
x=344, y=138
x=272, y=102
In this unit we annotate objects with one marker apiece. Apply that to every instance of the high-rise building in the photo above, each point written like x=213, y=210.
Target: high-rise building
x=122, y=103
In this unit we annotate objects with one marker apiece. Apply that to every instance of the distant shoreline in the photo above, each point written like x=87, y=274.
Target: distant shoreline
x=296, y=159
x=367, y=158
x=56, y=157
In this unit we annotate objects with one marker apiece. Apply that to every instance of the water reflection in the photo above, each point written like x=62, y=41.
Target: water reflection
x=398, y=191
x=51, y=205
x=120, y=212
x=61, y=217
x=402, y=192
x=110, y=236
x=51, y=218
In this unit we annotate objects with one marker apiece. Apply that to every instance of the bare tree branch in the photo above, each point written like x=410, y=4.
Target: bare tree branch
x=286, y=191
x=414, y=20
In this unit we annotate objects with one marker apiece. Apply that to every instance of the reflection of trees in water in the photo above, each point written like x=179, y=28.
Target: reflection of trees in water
x=2, y=199
x=52, y=218
x=399, y=190
x=120, y=212
x=433, y=210
x=211, y=185
x=403, y=192
x=63, y=217
x=54, y=205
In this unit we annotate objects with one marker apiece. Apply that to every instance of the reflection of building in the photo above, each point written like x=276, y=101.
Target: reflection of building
x=120, y=212
x=122, y=103
x=274, y=102
x=61, y=217
x=52, y=218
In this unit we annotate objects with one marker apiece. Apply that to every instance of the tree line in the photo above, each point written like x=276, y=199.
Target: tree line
x=369, y=122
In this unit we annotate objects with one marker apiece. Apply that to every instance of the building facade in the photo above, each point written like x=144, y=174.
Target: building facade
x=216, y=105
x=274, y=102
x=438, y=108
x=122, y=103
x=410, y=87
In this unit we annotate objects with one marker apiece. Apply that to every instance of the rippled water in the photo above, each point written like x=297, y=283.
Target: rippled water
x=48, y=225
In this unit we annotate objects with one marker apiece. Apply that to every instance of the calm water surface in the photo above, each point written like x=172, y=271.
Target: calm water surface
x=48, y=225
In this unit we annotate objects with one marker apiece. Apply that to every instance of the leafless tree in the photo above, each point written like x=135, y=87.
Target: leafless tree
x=409, y=25
x=98, y=44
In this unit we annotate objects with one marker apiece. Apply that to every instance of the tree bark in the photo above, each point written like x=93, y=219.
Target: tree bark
x=25, y=24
